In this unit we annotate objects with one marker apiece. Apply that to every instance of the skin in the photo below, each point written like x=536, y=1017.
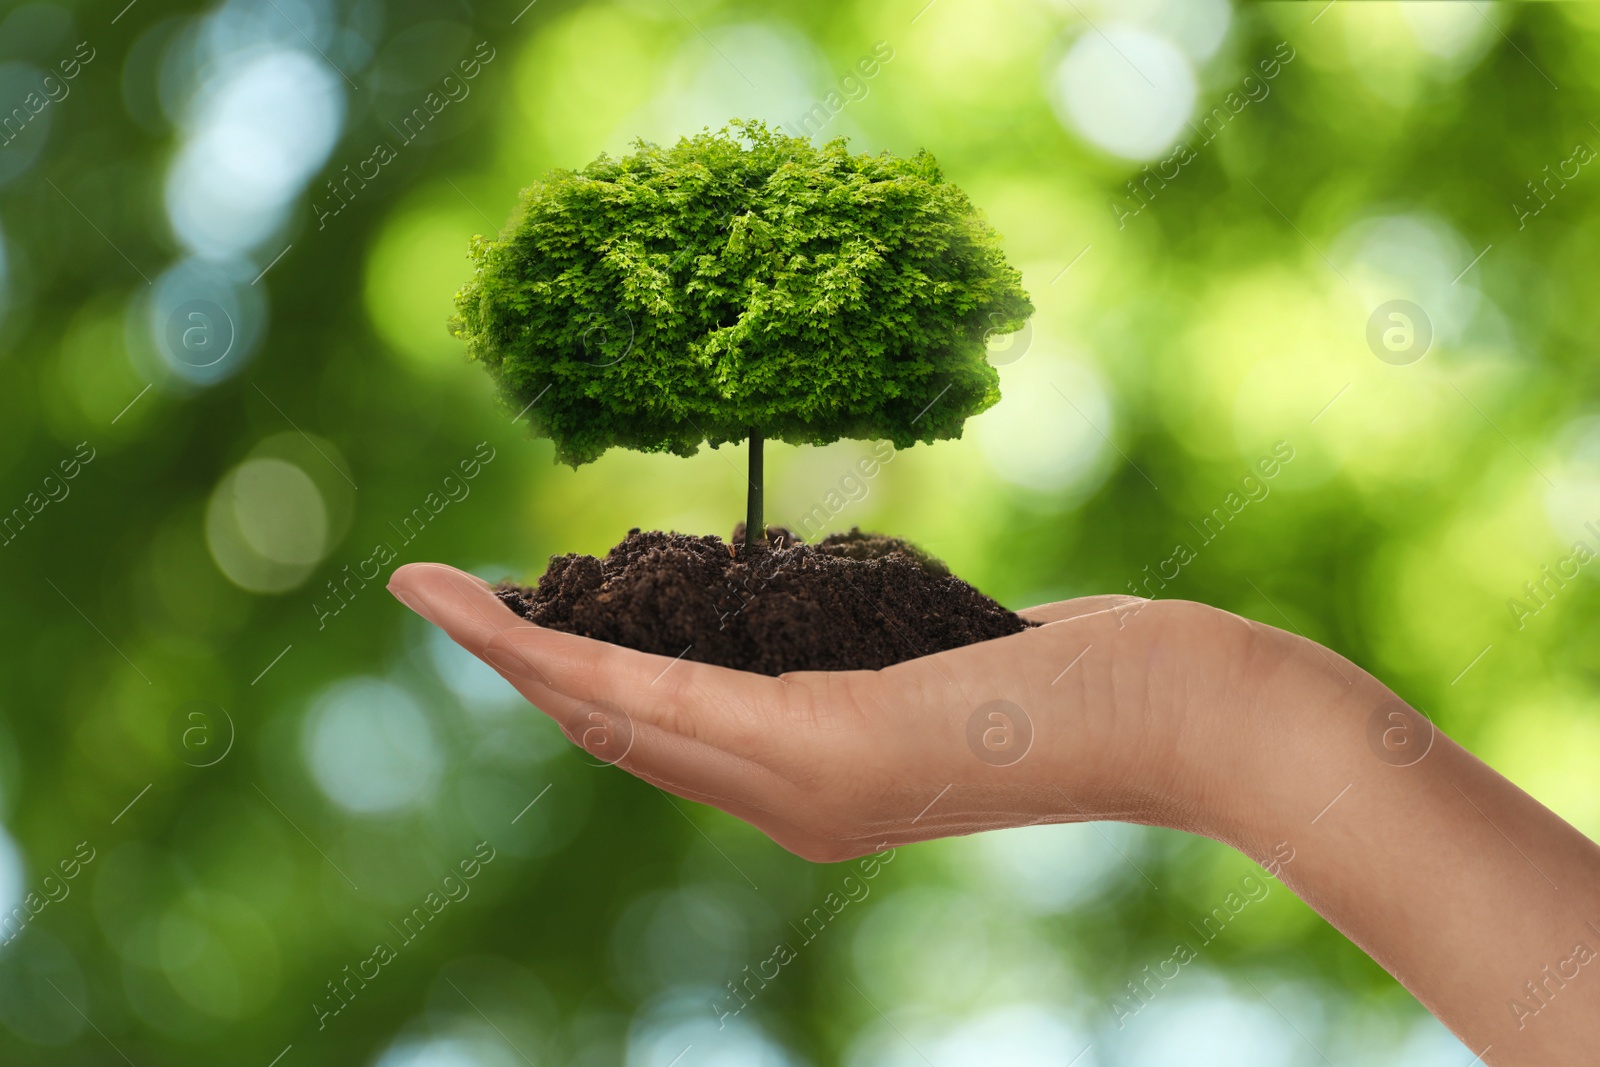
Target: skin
x=1166, y=713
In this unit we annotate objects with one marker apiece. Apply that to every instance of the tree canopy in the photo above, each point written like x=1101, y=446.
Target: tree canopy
x=741, y=281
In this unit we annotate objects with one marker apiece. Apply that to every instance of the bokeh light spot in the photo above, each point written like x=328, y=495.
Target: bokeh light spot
x=1046, y=433
x=262, y=126
x=1125, y=90
x=267, y=525
x=370, y=747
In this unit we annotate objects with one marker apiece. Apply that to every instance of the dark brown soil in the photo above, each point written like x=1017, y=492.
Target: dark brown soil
x=852, y=601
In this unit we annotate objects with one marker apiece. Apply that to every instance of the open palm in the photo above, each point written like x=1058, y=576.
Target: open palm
x=838, y=764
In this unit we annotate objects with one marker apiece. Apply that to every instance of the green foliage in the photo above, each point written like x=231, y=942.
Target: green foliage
x=741, y=280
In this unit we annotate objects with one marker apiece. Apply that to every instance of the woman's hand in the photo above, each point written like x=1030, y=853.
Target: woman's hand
x=1099, y=713
x=1484, y=903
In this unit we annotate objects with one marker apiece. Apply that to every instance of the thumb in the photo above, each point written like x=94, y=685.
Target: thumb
x=1078, y=607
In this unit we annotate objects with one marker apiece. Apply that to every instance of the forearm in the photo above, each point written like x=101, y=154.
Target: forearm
x=1484, y=903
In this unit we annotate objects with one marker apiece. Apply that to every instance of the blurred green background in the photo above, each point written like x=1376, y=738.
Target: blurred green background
x=231, y=235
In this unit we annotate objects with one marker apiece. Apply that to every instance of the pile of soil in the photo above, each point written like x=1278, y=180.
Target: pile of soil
x=852, y=601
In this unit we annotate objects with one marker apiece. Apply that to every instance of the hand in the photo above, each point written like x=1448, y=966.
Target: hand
x=1163, y=712
x=1080, y=718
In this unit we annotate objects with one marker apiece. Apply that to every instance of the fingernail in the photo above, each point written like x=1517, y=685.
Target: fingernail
x=507, y=661
x=417, y=603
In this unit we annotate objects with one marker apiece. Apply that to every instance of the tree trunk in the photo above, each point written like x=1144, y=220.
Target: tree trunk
x=755, y=528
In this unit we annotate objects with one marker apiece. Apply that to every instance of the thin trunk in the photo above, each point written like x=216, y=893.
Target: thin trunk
x=754, y=527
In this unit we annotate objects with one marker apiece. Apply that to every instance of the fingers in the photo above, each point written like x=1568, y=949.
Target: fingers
x=465, y=607
x=698, y=700
x=680, y=765
x=462, y=605
x=714, y=704
x=696, y=771
x=612, y=702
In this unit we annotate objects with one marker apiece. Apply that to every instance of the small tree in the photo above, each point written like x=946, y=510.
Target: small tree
x=741, y=285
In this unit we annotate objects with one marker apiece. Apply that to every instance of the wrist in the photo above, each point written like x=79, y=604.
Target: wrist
x=1155, y=719
x=1278, y=730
